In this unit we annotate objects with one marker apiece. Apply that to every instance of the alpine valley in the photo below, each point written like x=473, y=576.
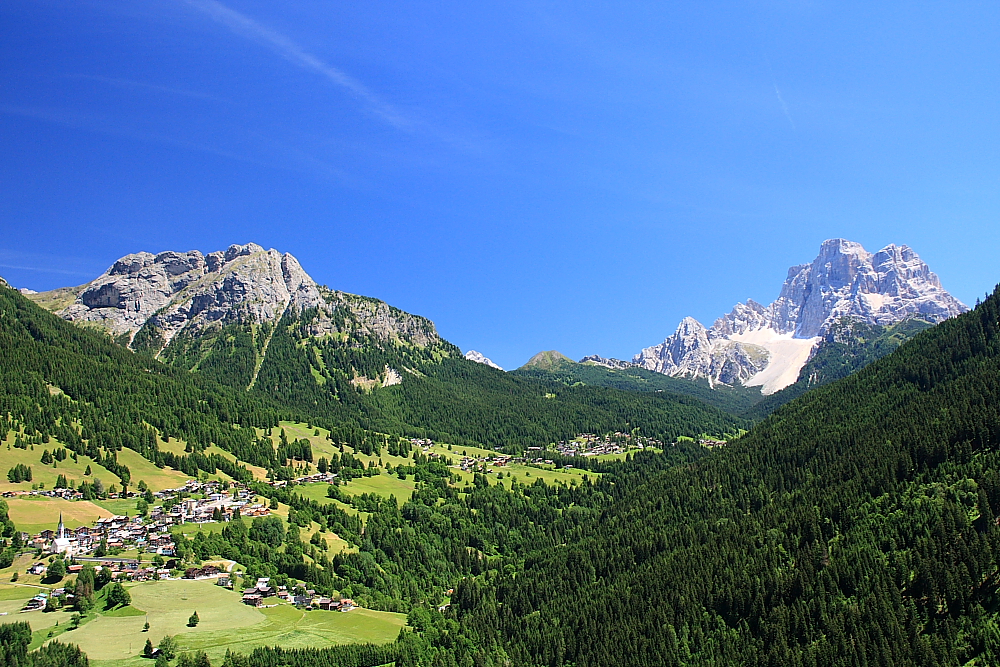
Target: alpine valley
x=833, y=316
x=212, y=459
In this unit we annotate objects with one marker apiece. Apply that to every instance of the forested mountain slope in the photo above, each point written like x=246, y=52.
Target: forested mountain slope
x=60, y=381
x=848, y=346
x=114, y=395
x=855, y=526
x=431, y=390
x=629, y=377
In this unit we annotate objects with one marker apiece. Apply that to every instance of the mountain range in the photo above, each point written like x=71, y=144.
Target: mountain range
x=254, y=320
x=217, y=313
x=857, y=524
x=767, y=346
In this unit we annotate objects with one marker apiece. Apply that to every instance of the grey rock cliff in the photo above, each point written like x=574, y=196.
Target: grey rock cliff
x=614, y=364
x=173, y=292
x=767, y=345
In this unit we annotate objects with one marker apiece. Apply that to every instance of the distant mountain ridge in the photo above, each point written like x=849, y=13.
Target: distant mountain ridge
x=616, y=374
x=767, y=346
x=254, y=320
x=164, y=303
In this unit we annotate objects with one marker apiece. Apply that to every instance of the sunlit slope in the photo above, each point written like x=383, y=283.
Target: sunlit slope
x=856, y=525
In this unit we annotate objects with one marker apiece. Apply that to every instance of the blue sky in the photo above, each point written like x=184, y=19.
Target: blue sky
x=538, y=175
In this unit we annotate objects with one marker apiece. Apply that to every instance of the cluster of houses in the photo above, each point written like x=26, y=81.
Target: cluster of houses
x=709, y=443
x=152, y=533
x=65, y=494
x=258, y=595
x=115, y=532
x=589, y=444
x=214, y=501
x=327, y=477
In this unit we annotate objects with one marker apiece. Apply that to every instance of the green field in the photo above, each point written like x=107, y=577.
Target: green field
x=140, y=468
x=121, y=506
x=33, y=514
x=383, y=485
x=46, y=474
x=155, y=478
x=117, y=639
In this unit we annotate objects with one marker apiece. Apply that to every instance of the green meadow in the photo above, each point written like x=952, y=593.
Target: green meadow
x=33, y=514
x=116, y=639
x=140, y=468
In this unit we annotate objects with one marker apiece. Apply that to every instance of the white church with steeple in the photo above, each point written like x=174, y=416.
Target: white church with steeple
x=62, y=544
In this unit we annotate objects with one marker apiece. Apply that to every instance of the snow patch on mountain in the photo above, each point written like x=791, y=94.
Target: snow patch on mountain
x=480, y=358
x=786, y=357
x=767, y=346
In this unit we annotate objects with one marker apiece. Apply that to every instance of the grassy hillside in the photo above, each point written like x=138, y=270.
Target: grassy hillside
x=547, y=360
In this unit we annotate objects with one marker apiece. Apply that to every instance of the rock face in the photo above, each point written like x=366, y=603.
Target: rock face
x=614, y=364
x=480, y=358
x=174, y=292
x=190, y=291
x=766, y=346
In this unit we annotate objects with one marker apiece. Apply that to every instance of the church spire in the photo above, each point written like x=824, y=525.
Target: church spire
x=61, y=531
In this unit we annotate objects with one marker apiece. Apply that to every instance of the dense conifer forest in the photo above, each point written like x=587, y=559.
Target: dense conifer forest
x=849, y=346
x=857, y=525
x=735, y=400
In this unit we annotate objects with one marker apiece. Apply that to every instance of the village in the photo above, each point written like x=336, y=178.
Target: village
x=195, y=502
x=257, y=597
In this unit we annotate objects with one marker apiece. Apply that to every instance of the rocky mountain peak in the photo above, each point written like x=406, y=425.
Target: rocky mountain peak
x=481, y=358
x=767, y=345
x=178, y=290
x=615, y=364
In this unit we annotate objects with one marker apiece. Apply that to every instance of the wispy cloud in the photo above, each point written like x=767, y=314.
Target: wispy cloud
x=44, y=270
x=245, y=26
x=126, y=83
x=784, y=107
x=781, y=100
x=287, y=158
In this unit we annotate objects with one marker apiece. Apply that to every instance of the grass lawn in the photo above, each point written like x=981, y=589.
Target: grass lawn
x=226, y=623
x=155, y=478
x=140, y=468
x=119, y=507
x=33, y=514
x=383, y=485
x=46, y=474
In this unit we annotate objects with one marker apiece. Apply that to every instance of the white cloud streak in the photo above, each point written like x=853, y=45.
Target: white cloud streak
x=784, y=107
x=44, y=270
x=243, y=25
x=125, y=83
